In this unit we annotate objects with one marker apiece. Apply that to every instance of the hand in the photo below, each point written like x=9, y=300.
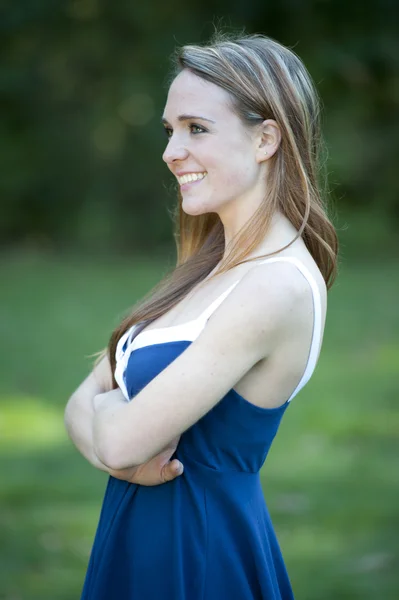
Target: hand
x=155, y=471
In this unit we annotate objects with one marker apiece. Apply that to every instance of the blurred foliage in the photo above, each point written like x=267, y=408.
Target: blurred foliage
x=329, y=480
x=83, y=85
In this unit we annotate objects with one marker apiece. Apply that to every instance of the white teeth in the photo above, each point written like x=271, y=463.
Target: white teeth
x=190, y=177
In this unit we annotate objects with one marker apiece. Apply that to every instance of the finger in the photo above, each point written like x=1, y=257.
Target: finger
x=172, y=470
x=178, y=467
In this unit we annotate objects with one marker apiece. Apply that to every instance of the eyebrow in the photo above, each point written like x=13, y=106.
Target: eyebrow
x=188, y=118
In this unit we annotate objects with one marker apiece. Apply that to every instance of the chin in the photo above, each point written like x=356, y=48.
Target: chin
x=195, y=209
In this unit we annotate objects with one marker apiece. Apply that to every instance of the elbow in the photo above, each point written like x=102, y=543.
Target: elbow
x=116, y=445
x=112, y=455
x=115, y=461
x=105, y=451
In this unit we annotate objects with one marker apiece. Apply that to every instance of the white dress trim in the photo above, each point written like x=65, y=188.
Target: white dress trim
x=190, y=330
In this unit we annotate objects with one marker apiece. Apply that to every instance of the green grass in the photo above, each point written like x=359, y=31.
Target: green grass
x=330, y=480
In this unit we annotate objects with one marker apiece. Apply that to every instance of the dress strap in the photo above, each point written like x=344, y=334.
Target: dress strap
x=215, y=304
x=317, y=319
x=317, y=314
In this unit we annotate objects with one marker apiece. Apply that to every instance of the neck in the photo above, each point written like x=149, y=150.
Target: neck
x=280, y=233
x=236, y=214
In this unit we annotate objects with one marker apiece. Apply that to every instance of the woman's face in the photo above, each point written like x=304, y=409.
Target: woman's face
x=210, y=151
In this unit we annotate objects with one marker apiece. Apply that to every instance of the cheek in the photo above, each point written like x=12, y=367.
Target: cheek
x=231, y=162
x=237, y=173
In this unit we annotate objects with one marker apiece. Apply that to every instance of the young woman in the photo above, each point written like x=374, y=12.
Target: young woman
x=199, y=376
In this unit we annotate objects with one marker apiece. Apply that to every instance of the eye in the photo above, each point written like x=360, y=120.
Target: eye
x=168, y=132
x=196, y=128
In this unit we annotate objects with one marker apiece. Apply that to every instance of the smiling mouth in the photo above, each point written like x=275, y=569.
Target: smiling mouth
x=191, y=178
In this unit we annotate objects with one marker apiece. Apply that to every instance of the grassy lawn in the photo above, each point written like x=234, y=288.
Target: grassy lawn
x=331, y=480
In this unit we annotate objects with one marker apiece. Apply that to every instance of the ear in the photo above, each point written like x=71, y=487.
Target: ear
x=268, y=140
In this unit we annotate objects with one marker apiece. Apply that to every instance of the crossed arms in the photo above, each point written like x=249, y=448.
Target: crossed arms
x=115, y=435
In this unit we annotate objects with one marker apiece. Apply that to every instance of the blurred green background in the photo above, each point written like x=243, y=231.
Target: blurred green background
x=85, y=231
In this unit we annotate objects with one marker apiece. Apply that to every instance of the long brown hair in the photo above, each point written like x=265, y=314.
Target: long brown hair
x=265, y=81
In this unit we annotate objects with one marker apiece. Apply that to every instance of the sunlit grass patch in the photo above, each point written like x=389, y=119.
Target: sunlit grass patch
x=29, y=423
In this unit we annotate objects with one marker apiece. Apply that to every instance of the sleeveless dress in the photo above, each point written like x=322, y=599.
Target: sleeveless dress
x=207, y=534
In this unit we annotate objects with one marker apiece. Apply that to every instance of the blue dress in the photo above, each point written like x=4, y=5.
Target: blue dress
x=206, y=535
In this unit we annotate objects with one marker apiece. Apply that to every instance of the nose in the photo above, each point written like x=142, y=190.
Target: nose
x=174, y=151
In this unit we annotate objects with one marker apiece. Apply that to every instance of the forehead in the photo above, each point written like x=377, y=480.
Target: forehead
x=189, y=94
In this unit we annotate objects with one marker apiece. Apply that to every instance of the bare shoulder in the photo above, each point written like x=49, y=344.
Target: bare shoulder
x=281, y=282
x=269, y=302
x=278, y=291
x=279, y=287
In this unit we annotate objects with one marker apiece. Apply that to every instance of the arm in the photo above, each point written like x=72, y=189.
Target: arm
x=79, y=411
x=79, y=415
x=259, y=313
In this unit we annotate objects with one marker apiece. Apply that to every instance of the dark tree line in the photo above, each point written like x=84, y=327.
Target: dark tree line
x=82, y=90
